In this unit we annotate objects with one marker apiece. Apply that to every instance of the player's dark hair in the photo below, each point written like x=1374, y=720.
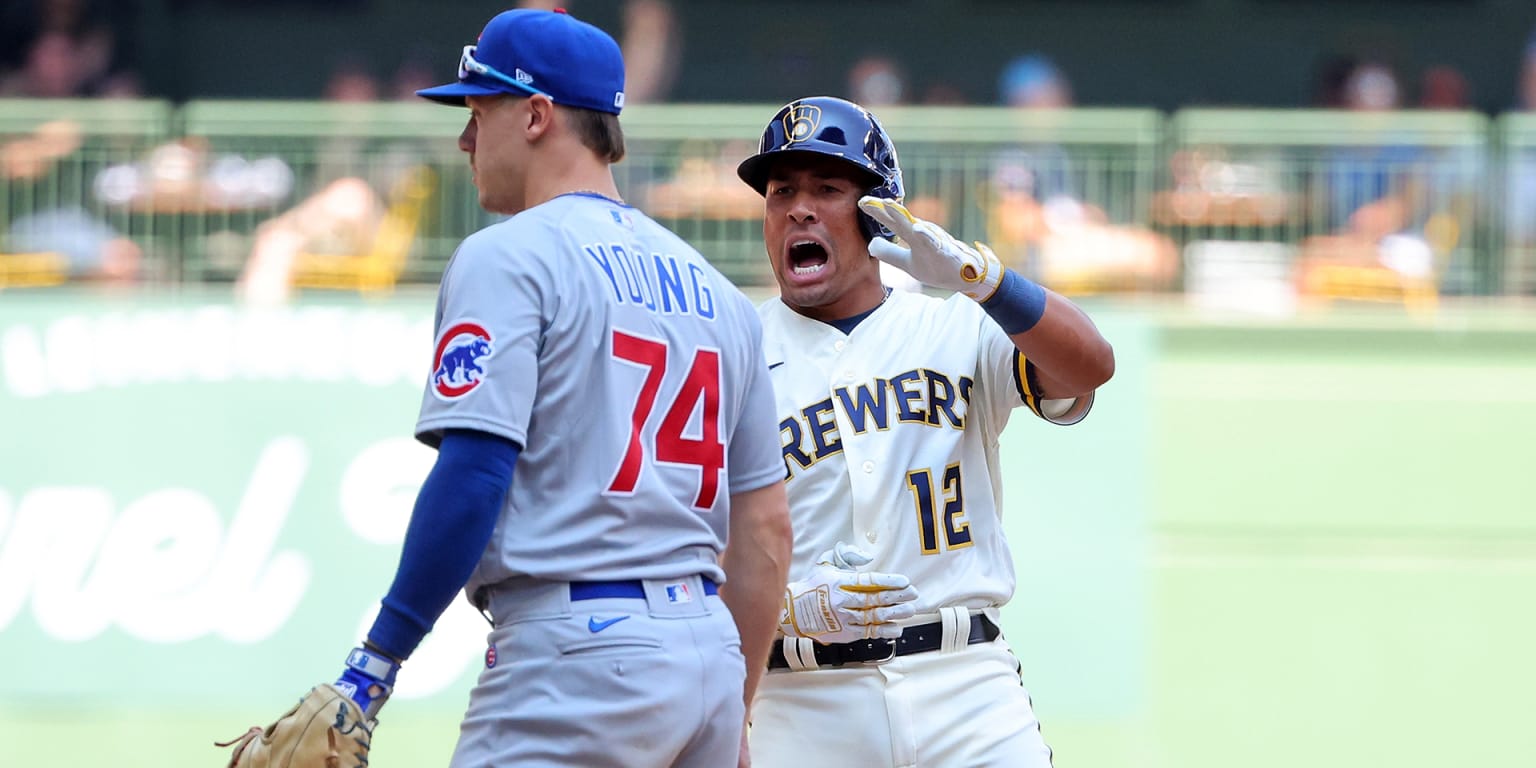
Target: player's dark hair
x=599, y=132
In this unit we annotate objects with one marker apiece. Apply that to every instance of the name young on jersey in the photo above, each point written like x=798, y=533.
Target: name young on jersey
x=660, y=282
x=921, y=397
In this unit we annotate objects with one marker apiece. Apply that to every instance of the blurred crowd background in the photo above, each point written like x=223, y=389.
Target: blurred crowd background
x=1262, y=153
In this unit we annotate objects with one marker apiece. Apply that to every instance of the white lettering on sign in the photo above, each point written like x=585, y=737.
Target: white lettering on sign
x=81, y=353
x=379, y=487
x=164, y=569
x=167, y=569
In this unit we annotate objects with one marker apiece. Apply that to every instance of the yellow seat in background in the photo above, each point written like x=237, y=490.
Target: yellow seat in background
x=378, y=268
x=33, y=269
x=1372, y=283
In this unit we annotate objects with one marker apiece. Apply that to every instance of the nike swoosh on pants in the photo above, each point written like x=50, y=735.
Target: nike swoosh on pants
x=593, y=625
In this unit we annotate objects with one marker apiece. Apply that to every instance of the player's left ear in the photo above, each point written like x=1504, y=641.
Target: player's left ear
x=541, y=116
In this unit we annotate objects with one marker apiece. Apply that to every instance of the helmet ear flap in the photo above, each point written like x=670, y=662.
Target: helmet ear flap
x=890, y=188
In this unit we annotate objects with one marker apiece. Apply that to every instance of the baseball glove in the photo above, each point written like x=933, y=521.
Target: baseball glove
x=325, y=729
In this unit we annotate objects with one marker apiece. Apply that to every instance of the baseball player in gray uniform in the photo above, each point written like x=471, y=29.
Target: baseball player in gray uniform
x=603, y=414
x=890, y=405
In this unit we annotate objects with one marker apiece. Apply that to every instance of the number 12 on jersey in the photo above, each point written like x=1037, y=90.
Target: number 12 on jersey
x=700, y=390
x=931, y=521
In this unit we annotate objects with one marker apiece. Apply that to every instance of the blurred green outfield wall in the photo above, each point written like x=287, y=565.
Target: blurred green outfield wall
x=1303, y=543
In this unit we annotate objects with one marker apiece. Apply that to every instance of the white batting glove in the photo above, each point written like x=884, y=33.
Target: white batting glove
x=930, y=254
x=836, y=603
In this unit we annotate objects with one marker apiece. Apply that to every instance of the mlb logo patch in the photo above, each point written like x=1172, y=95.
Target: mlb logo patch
x=678, y=593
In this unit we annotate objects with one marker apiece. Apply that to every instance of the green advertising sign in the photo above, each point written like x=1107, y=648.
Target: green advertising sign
x=201, y=504
x=188, y=484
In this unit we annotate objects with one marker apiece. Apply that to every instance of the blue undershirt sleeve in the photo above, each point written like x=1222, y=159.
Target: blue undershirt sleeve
x=451, y=525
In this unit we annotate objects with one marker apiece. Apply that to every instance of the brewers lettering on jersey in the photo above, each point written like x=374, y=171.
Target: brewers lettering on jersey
x=890, y=407
x=602, y=410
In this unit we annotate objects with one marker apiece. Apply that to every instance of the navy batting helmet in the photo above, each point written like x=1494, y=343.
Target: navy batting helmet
x=830, y=126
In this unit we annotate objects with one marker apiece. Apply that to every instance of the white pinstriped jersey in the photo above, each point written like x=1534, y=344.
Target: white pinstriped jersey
x=631, y=373
x=890, y=440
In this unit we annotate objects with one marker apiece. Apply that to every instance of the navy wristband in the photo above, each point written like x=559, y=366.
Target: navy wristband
x=1017, y=304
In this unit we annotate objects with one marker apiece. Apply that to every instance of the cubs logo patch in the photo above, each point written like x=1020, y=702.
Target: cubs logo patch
x=800, y=123
x=490, y=656
x=458, y=364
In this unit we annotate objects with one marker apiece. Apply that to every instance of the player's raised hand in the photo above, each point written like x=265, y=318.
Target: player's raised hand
x=836, y=603
x=930, y=254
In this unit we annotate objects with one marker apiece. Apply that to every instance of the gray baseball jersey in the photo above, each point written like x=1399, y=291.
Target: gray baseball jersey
x=890, y=438
x=632, y=374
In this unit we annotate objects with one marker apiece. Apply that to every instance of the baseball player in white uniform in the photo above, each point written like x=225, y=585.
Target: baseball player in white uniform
x=890, y=405
x=600, y=402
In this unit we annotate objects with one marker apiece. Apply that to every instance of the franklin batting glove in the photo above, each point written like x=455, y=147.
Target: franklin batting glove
x=930, y=254
x=837, y=604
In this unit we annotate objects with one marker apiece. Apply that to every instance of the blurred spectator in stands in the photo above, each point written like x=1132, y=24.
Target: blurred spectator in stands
x=1032, y=81
x=1520, y=209
x=1038, y=220
x=1367, y=186
x=66, y=48
x=701, y=186
x=351, y=81
x=412, y=75
x=1372, y=86
x=1043, y=171
x=1444, y=87
x=31, y=172
x=1394, y=207
x=877, y=81
x=355, y=181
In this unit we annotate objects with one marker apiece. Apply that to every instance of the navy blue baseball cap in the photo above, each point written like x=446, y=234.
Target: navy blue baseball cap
x=527, y=51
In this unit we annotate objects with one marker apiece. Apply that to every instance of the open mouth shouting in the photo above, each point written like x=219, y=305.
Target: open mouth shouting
x=806, y=257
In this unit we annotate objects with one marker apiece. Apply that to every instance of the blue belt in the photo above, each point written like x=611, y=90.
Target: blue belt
x=592, y=590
